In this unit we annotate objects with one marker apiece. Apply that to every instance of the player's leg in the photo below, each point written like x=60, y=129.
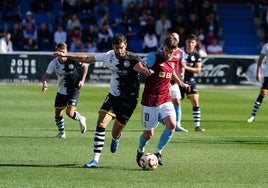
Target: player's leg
x=167, y=111
x=116, y=134
x=73, y=113
x=149, y=121
x=60, y=105
x=106, y=114
x=99, y=138
x=59, y=120
x=196, y=111
x=123, y=110
x=177, y=95
x=258, y=102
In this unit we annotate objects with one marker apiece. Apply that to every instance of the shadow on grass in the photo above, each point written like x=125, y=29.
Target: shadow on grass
x=245, y=142
x=67, y=166
x=42, y=166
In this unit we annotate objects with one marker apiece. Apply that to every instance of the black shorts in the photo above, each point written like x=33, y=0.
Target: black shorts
x=265, y=84
x=192, y=91
x=119, y=107
x=62, y=101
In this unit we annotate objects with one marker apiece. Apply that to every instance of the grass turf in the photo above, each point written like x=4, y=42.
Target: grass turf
x=230, y=153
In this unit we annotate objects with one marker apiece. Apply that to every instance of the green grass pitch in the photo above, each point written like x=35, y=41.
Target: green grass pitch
x=230, y=153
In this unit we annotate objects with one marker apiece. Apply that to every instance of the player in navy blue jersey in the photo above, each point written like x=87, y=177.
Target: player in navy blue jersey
x=193, y=66
x=69, y=85
x=122, y=98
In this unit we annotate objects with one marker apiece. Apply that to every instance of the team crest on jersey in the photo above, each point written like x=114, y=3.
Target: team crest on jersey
x=126, y=63
x=192, y=58
x=71, y=66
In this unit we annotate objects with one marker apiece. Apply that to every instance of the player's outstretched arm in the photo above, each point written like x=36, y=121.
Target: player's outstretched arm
x=141, y=68
x=79, y=57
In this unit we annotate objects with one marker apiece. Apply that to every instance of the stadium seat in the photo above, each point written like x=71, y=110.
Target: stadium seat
x=239, y=31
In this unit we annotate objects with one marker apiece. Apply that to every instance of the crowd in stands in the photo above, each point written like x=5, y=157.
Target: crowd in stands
x=89, y=25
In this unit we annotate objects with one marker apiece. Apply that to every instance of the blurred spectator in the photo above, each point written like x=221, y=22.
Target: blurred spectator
x=176, y=9
x=73, y=22
x=41, y=6
x=193, y=24
x=162, y=24
x=9, y=10
x=30, y=31
x=101, y=7
x=204, y=8
x=159, y=6
x=6, y=43
x=130, y=18
x=74, y=35
x=190, y=6
x=264, y=18
x=201, y=48
x=60, y=35
x=69, y=6
x=44, y=38
x=90, y=34
x=104, y=19
x=212, y=24
x=146, y=23
x=28, y=19
x=86, y=6
x=182, y=33
x=90, y=47
x=145, y=5
x=76, y=45
x=30, y=45
x=105, y=36
x=16, y=36
x=200, y=33
x=209, y=36
x=162, y=38
x=150, y=42
x=125, y=4
x=214, y=47
x=178, y=21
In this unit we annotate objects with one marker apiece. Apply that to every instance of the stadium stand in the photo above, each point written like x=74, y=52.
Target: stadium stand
x=238, y=29
x=238, y=35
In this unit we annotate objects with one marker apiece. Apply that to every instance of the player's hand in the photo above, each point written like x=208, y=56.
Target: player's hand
x=44, y=88
x=258, y=77
x=186, y=86
x=81, y=84
x=148, y=72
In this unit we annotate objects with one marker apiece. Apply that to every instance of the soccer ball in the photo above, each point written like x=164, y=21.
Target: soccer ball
x=149, y=161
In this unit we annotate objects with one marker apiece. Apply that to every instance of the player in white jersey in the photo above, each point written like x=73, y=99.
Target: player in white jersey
x=69, y=84
x=122, y=98
x=264, y=88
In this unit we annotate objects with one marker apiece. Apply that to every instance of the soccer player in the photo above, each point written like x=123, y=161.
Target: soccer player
x=122, y=98
x=69, y=85
x=175, y=90
x=264, y=88
x=156, y=98
x=193, y=66
x=178, y=55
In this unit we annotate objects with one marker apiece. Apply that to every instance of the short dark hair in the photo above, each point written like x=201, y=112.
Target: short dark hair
x=61, y=46
x=170, y=42
x=191, y=36
x=118, y=39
